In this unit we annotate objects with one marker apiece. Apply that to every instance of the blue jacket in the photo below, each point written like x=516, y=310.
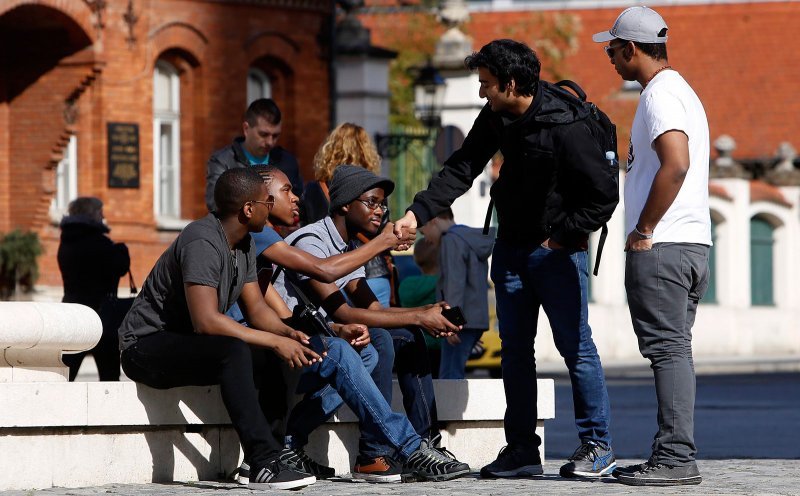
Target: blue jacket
x=464, y=267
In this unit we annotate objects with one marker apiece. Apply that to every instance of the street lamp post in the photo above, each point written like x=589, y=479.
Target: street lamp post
x=429, y=87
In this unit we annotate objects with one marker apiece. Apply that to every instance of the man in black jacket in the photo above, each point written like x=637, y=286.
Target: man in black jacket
x=555, y=187
x=258, y=146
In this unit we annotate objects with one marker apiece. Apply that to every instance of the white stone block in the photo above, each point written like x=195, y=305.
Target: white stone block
x=76, y=459
x=43, y=404
x=129, y=403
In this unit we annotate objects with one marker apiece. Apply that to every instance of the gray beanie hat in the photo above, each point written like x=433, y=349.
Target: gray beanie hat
x=350, y=181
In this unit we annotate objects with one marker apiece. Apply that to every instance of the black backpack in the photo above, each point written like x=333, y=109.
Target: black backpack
x=602, y=129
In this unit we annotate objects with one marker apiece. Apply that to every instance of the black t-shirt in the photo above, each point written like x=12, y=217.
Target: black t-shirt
x=199, y=255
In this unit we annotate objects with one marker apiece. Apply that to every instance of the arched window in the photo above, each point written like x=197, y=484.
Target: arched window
x=166, y=141
x=258, y=85
x=761, y=262
x=66, y=180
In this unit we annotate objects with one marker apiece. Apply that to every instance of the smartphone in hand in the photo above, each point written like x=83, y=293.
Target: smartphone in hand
x=454, y=315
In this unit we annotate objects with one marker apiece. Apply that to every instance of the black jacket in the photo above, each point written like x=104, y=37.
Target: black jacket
x=555, y=181
x=233, y=156
x=90, y=263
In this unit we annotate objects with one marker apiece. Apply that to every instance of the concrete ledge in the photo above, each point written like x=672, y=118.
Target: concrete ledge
x=103, y=432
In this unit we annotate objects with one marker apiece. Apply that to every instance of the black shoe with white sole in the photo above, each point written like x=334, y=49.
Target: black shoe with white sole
x=275, y=474
x=514, y=461
x=657, y=474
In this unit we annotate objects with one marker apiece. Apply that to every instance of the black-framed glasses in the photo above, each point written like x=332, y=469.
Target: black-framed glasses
x=610, y=50
x=372, y=204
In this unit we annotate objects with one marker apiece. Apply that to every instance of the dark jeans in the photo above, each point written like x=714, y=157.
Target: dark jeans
x=527, y=278
x=403, y=349
x=166, y=359
x=664, y=286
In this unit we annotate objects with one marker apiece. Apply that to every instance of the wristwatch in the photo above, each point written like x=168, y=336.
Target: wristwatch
x=641, y=234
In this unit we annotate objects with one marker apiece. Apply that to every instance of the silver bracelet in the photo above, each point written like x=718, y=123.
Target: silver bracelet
x=640, y=233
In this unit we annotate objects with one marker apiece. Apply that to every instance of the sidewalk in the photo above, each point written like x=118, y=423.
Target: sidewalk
x=721, y=477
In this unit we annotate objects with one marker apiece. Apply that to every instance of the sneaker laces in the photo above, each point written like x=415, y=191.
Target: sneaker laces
x=433, y=453
x=434, y=444
x=584, y=451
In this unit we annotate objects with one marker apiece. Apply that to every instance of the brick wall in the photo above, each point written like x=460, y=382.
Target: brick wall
x=211, y=43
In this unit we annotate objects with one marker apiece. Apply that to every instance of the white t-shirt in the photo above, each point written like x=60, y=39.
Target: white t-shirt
x=669, y=103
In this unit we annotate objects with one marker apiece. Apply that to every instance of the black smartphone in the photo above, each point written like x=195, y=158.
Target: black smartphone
x=454, y=315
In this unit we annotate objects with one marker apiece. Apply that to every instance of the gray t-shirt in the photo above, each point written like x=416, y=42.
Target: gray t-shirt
x=199, y=255
x=322, y=240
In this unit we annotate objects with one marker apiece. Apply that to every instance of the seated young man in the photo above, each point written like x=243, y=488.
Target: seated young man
x=176, y=333
x=353, y=381
x=357, y=205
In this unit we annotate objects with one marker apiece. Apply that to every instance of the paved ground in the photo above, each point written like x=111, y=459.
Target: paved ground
x=722, y=477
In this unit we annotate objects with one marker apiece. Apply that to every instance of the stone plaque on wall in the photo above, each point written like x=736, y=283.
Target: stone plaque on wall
x=123, y=155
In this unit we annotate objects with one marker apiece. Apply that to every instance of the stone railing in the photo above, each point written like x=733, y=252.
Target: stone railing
x=57, y=433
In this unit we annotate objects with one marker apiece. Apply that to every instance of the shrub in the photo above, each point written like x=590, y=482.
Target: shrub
x=19, y=268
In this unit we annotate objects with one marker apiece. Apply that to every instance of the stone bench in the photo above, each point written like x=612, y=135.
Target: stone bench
x=56, y=433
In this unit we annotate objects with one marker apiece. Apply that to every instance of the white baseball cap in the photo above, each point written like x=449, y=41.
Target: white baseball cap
x=639, y=23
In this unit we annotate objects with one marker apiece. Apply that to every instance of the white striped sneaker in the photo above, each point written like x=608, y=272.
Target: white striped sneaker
x=274, y=474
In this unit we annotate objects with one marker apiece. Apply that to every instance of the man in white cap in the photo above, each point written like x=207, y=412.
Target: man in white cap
x=669, y=235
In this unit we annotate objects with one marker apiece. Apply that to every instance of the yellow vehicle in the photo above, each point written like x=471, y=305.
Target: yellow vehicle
x=489, y=359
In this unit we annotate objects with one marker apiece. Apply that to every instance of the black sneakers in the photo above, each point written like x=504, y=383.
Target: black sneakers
x=275, y=474
x=430, y=463
x=297, y=460
x=628, y=469
x=656, y=474
x=589, y=460
x=514, y=461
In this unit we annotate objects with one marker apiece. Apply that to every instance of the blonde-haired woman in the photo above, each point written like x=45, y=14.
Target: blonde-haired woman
x=348, y=144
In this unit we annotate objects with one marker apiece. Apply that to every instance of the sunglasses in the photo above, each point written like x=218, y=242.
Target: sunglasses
x=610, y=50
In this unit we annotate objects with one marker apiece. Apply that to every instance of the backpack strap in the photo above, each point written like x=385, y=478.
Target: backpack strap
x=324, y=187
x=487, y=223
x=600, y=243
x=566, y=83
x=293, y=243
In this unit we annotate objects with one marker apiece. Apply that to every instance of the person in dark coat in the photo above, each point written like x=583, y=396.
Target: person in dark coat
x=91, y=265
x=258, y=146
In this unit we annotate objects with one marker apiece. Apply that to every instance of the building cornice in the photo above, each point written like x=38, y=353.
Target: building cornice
x=312, y=5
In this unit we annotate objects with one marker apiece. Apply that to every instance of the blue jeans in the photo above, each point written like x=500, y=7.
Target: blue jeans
x=382, y=288
x=527, y=278
x=404, y=350
x=343, y=377
x=454, y=356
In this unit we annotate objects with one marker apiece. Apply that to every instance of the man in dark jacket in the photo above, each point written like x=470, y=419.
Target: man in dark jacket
x=555, y=187
x=258, y=146
x=91, y=265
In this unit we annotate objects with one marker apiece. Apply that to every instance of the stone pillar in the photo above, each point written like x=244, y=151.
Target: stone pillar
x=461, y=104
x=362, y=76
x=33, y=336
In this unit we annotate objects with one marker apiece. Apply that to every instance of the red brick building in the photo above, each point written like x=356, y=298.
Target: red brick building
x=175, y=75
x=736, y=56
